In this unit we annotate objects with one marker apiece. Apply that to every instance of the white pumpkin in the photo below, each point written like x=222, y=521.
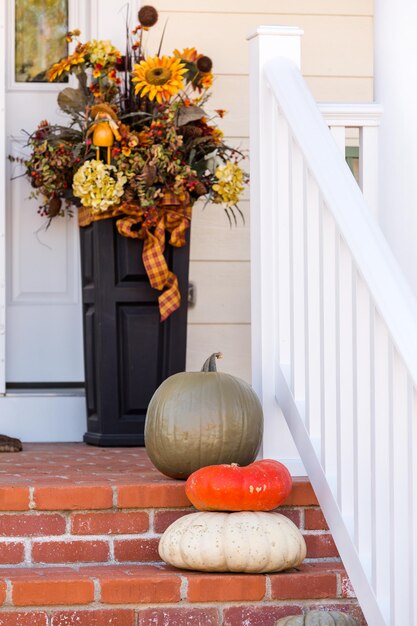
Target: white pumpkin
x=251, y=542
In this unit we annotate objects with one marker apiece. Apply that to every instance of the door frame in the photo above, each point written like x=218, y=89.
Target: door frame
x=3, y=198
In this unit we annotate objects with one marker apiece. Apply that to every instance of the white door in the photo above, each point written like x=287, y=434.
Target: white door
x=43, y=298
x=41, y=351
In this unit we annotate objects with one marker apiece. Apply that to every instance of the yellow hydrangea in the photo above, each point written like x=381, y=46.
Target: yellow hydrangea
x=230, y=185
x=98, y=185
x=102, y=52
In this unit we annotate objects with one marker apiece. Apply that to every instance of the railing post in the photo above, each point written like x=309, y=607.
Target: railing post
x=266, y=43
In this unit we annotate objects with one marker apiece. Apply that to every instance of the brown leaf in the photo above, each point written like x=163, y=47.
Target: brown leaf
x=72, y=100
x=189, y=114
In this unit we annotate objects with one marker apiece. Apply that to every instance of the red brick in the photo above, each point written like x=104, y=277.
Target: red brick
x=2, y=592
x=14, y=498
x=262, y=615
x=117, y=522
x=293, y=514
x=320, y=546
x=51, y=591
x=303, y=585
x=163, y=519
x=158, y=495
x=146, y=588
x=347, y=590
x=23, y=618
x=11, y=553
x=94, y=617
x=225, y=587
x=302, y=494
x=314, y=520
x=139, y=550
x=32, y=525
x=75, y=551
x=59, y=497
x=179, y=617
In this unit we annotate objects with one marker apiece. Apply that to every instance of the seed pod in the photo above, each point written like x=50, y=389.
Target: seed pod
x=148, y=16
x=54, y=206
x=204, y=64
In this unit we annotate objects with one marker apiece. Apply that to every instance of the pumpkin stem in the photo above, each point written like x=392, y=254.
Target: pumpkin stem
x=210, y=364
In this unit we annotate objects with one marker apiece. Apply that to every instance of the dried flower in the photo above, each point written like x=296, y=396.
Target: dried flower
x=160, y=140
x=148, y=16
x=229, y=185
x=204, y=64
x=98, y=186
x=54, y=206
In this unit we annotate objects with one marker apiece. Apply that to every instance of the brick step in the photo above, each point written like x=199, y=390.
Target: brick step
x=151, y=595
x=73, y=504
x=79, y=530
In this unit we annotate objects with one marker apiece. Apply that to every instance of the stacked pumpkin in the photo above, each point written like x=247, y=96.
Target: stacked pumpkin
x=234, y=530
x=195, y=419
x=207, y=426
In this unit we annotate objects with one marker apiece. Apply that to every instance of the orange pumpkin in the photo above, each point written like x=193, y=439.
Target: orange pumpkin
x=260, y=486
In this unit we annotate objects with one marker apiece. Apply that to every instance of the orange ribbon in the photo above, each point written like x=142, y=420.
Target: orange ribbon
x=173, y=217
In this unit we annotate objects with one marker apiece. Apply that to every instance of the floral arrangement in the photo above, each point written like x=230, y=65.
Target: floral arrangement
x=139, y=146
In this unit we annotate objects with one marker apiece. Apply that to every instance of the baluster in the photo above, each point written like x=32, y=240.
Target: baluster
x=368, y=166
x=312, y=315
x=339, y=135
x=297, y=273
x=400, y=509
x=382, y=462
x=345, y=385
x=329, y=426
x=412, y=420
x=362, y=409
x=283, y=243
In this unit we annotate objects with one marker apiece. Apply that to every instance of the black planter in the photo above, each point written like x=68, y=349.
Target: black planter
x=128, y=352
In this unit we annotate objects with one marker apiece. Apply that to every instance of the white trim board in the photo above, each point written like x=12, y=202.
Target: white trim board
x=28, y=415
x=2, y=195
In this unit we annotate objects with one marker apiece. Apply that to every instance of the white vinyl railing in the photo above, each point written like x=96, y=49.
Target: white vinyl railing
x=334, y=337
x=342, y=119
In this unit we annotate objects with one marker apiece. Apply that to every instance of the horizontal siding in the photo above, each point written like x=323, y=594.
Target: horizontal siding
x=222, y=292
x=294, y=7
x=212, y=238
x=341, y=89
x=337, y=64
x=232, y=93
x=330, y=46
x=233, y=340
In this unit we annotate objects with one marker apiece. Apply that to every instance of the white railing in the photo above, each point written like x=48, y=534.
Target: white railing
x=343, y=119
x=334, y=337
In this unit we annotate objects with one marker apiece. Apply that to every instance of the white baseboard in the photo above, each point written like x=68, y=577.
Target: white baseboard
x=44, y=416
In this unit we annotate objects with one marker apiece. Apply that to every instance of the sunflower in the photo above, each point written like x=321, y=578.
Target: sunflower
x=188, y=54
x=64, y=65
x=159, y=78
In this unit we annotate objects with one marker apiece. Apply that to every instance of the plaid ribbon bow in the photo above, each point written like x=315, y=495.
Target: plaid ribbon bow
x=174, y=218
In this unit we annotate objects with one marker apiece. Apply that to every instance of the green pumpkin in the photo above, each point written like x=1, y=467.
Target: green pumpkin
x=318, y=618
x=195, y=419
